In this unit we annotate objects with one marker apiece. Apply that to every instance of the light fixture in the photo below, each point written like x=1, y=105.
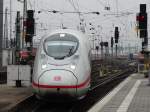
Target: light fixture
x=62, y=35
x=72, y=66
x=44, y=66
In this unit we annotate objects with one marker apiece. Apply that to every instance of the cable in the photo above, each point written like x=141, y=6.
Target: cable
x=29, y=1
x=117, y=7
x=108, y=3
x=77, y=5
x=101, y=3
x=104, y=6
x=72, y=3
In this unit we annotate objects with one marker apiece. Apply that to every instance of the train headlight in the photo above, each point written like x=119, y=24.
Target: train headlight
x=73, y=66
x=44, y=66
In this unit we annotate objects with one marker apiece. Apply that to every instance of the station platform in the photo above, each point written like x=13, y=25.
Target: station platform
x=11, y=96
x=132, y=95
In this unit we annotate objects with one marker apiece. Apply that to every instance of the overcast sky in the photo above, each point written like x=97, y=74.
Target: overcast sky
x=106, y=21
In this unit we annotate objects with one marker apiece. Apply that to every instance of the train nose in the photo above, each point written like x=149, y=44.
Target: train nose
x=58, y=81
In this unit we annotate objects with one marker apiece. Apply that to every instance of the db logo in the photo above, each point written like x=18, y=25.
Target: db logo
x=57, y=78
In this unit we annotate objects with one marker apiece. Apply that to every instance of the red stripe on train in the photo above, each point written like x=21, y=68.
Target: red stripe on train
x=62, y=86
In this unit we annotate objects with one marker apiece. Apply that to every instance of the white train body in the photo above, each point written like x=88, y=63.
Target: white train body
x=62, y=65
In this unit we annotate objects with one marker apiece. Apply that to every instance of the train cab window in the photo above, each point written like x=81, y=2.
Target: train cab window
x=60, y=46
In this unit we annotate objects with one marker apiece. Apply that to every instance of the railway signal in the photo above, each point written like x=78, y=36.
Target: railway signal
x=141, y=19
x=29, y=26
x=142, y=25
x=116, y=35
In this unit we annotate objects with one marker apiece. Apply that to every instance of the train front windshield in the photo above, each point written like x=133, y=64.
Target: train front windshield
x=60, y=46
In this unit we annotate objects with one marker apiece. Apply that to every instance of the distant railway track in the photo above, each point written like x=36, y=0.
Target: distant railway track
x=107, y=79
x=98, y=91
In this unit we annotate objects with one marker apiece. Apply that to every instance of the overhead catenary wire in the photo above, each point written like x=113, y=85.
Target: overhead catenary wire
x=101, y=3
x=106, y=17
x=72, y=3
x=115, y=14
x=46, y=11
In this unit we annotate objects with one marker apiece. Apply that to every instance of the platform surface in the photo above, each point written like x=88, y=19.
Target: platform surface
x=132, y=95
x=10, y=96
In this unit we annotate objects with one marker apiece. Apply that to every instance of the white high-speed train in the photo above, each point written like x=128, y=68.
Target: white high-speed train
x=62, y=65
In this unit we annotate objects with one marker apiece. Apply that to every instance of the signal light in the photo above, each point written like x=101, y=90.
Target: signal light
x=30, y=24
x=142, y=20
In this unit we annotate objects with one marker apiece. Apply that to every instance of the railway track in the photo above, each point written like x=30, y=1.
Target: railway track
x=98, y=91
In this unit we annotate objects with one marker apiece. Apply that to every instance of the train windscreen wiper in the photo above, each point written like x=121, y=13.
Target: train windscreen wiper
x=70, y=51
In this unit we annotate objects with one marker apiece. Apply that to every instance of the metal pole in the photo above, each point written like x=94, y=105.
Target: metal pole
x=4, y=34
x=107, y=52
x=112, y=51
x=6, y=30
x=116, y=50
x=17, y=36
x=18, y=31
x=10, y=19
x=129, y=49
x=102, y=52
